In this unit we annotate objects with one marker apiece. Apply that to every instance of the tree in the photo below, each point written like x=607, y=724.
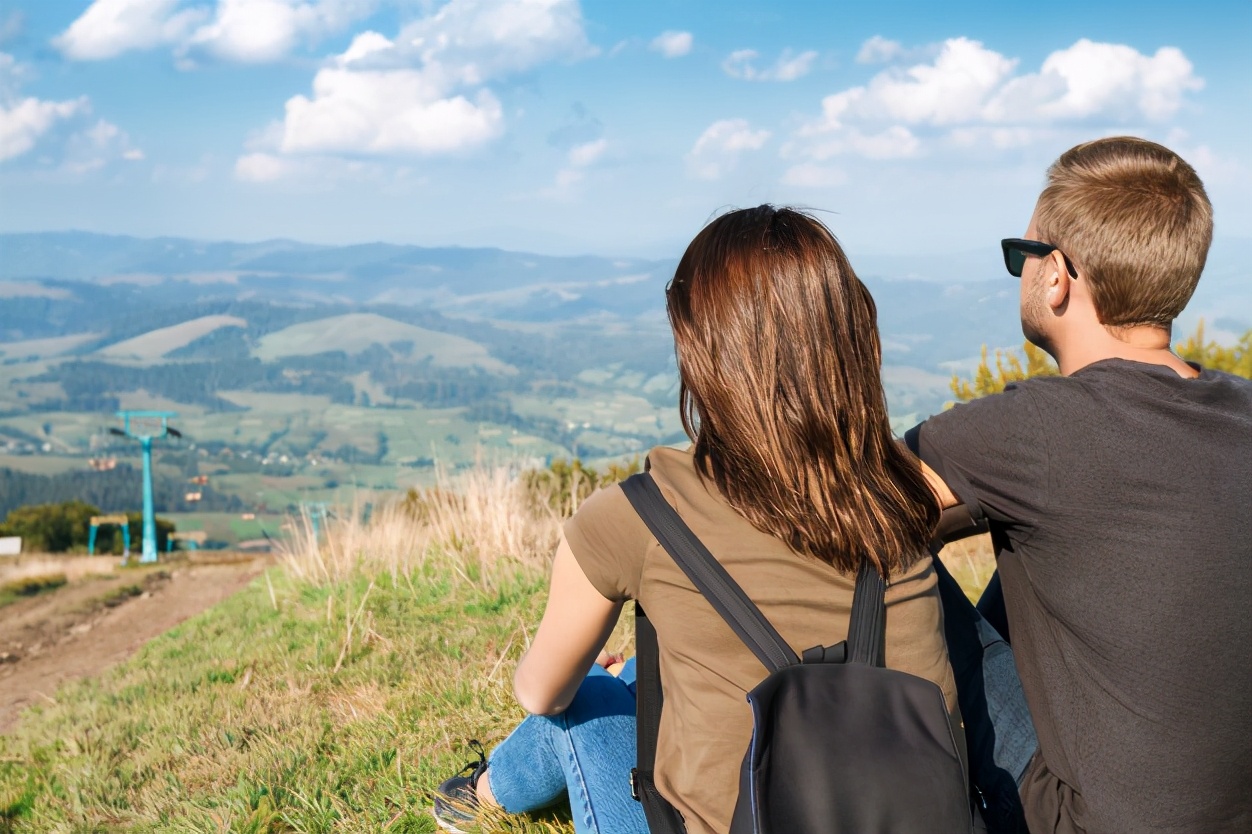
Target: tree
x=1008, y=368
x=56, y=528
x=1236, y=359
x=565, y=484
x=50, y=528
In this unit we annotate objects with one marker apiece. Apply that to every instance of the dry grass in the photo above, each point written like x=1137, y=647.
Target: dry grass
x=481, y=526
x=30, y=584
x=329, y=696
x=971, y=562
x=74, y=567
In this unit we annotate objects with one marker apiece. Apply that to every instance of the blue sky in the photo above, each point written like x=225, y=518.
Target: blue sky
x=600, y=126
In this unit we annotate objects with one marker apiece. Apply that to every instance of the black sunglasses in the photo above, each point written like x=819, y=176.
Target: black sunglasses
x=1016, y=249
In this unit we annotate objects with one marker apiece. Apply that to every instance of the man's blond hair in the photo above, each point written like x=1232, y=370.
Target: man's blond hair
x=1133, y=216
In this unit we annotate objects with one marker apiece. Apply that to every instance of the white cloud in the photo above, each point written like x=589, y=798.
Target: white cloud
x=94, y=147
x=318, y=173
x=718, y=149
x=895, y=142
x=25, y=121
x=580, y=156
x=387, y=112
x=672, y=44
x=110, y=27
x=262, y=167
x=256, y=31
x=423, y=92
x=811, y=175
x=1104, y=80
x=975, y=96
x=13, y=74
x=233, y=30
x=742, y=64
x=1001, y=138
x=955, y=88
x=565, y=184
x=471, y=41
x=879, y=50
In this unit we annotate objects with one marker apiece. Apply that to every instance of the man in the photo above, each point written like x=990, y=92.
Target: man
x=1119, y=498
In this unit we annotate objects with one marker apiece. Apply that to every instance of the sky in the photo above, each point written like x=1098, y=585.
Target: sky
x=608, y=127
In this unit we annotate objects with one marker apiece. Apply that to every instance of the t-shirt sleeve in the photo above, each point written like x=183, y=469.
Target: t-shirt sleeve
x=609, y=540
x=991, y=452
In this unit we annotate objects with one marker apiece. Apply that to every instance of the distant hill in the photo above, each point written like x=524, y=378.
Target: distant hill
x=496, y=283
x=353, y=333
x=157, y=343
x=573, y=350
x=40, y=269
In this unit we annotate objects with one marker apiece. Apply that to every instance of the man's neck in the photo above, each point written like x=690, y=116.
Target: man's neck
x=1148, y=344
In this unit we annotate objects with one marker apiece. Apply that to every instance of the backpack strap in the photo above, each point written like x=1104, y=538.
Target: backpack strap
x=662, y=817
x=867, y=629
x=707, y=574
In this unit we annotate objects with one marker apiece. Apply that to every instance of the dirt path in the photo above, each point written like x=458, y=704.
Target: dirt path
x=99, y=619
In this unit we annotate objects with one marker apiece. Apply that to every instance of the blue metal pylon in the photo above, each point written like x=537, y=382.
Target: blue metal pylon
x=317, y=513
x=145, y=439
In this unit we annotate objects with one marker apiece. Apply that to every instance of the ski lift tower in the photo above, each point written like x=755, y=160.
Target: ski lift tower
x=146, y=426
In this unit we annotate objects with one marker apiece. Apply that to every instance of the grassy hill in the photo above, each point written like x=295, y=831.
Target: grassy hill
x=50, y=347
x=355, y=332
x=157, y=343
x=331, y=695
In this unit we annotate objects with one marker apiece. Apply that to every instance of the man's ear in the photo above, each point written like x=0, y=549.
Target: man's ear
x=1056, y=280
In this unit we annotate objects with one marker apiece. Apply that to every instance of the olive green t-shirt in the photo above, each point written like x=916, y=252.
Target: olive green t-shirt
x=707, y=672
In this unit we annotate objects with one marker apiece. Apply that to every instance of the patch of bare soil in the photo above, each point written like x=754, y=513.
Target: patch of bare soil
x=99, y=619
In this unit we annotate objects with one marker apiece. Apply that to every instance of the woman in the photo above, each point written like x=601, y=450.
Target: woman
x=793, y=481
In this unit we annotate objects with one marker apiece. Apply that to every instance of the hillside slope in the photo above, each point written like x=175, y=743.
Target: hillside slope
x=353, y=333
x=157, y=343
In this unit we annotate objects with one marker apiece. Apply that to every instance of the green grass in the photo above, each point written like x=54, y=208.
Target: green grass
x=227, y=527
x=29, y=586
x=354, y=332
x=304, y=709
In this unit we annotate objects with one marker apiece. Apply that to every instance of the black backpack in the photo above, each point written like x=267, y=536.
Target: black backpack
x=839, y=742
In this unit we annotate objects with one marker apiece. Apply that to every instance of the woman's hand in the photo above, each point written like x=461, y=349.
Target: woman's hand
x=608, y=660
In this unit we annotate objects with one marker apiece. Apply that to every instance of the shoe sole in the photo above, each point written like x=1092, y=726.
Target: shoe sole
x=445, y=825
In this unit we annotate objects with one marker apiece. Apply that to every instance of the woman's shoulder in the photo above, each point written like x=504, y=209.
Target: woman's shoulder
x=675, y=472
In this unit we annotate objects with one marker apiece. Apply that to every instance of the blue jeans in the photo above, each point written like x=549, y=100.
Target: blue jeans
x=998, y=729
x=585, y=752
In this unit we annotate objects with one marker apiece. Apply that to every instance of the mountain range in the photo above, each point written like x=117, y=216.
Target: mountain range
x=384, y=355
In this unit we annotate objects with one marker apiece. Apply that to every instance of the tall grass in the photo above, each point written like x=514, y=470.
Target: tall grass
x=971, y=562
x=331, y=695
x=483, y=525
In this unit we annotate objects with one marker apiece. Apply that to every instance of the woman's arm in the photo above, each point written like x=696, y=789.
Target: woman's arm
x=575, y=626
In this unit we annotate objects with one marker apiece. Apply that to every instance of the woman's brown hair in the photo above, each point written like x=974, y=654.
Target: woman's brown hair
x=779, y=361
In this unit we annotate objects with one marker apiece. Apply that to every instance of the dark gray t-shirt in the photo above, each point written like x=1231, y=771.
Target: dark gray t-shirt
x=1120, y=505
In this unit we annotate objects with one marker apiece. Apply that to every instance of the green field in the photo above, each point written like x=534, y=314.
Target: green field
x=264, y=717
x=332, y=694
x=354, y=332
x=230, y=527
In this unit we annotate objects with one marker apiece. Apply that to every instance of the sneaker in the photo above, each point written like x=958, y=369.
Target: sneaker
x=456, y=800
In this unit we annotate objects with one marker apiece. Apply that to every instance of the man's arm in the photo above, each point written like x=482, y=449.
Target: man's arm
x=940, y=488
